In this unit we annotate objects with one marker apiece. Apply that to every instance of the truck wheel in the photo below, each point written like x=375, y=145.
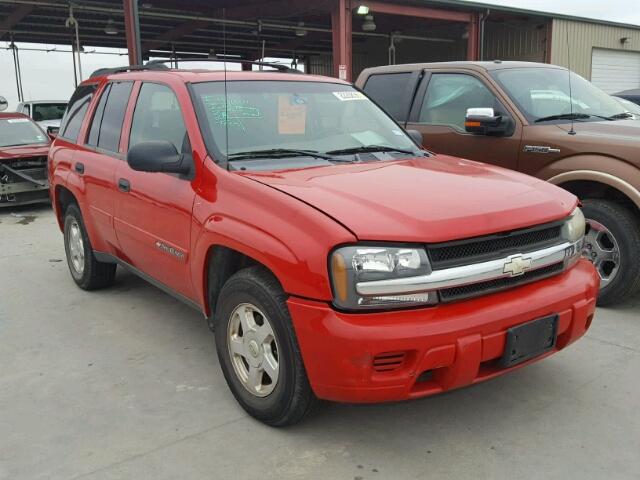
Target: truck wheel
x=612, y=243
x=86, y=271
x=258, y=350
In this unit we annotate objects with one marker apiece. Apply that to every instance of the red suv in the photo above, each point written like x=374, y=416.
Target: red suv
x=332, y=256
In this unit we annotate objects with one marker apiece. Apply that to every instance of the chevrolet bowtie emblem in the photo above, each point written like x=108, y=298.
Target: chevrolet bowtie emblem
x=517, y=265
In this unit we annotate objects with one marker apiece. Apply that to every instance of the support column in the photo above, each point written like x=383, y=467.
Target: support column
x=132, y=31
x=341, y=17
x=473, y=42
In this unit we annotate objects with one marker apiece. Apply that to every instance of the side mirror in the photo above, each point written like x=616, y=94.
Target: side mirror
x=484, y=121
x=416, y=136
x=53, y=132
x=157, y=156
x=3, y=104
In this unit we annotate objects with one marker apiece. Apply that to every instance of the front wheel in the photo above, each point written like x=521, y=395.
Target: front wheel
x=612, y=243
x=258, y=350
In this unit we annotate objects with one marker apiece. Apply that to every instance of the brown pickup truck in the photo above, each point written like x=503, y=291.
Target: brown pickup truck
x=539, y=119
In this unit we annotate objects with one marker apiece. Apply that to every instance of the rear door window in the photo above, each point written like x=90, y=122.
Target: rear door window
x=94, y=131
x=113, y=116
x=157, y=117
x=78, y=106
x=393, y=92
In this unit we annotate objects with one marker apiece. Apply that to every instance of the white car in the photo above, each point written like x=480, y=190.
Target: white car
x=46, y=113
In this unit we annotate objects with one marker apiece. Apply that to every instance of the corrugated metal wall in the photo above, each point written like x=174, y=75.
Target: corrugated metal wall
x=511, y=41
x=583, y=37
x=375, y=52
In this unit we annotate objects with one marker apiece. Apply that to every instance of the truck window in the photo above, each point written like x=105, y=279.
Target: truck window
x=111, y=117
x=48, y=111
x=94, y=131
x=448, y=97
x=389, y=90
x=157, y=117
x=78, y=106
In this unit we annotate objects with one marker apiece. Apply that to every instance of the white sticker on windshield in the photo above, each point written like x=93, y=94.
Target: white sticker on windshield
x=349, y=95
x=18, y=120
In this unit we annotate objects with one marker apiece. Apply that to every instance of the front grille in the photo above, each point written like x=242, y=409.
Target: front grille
x=483, y=288
x=480, y=249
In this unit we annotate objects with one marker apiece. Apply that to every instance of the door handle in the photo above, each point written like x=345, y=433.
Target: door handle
x=124, y=185
x=79, y=167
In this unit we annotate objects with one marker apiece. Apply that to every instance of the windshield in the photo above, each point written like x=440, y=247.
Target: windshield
x=628, y=105
x=544, y=92
x=293, y=117
x=48, y=111
x=20, y=131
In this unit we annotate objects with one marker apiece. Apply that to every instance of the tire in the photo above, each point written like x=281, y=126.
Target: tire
x=255, y=293
x=86, y=271
x=624, y=227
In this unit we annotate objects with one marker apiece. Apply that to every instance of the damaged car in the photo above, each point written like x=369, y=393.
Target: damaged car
x=23, y=161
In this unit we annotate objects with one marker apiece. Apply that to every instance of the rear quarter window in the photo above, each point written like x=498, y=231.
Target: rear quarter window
x=78, y=106
x=392, y=91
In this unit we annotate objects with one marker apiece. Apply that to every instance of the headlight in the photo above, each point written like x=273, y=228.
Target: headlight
x=574, y=227
x=573, y=232
x=361, y=263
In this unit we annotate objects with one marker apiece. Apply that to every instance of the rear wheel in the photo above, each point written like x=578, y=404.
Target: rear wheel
x=86, y=271
x=258, y=349
x=612, y=243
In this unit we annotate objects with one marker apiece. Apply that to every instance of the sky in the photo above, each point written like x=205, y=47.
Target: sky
x=49, y=76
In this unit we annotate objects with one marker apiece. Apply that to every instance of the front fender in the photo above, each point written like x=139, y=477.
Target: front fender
x=291, y=239
x=610, y=171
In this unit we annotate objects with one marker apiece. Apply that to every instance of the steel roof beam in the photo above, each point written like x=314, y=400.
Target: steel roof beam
x=15, y=18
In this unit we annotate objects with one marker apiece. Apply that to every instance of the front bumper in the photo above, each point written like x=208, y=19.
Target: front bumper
x=389, y=356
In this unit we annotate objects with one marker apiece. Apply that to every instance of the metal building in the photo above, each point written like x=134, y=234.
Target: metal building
x=331, y=37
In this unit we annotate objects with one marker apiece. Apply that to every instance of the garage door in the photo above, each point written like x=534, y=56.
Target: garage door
x=615, y=70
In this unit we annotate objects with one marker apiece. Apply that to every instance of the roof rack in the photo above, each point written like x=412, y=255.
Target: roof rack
x=134, y=68
x=276, y=66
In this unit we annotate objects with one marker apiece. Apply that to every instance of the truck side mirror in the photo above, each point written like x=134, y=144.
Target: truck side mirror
x=157, y=156
x=484, y=121
x=3, y=104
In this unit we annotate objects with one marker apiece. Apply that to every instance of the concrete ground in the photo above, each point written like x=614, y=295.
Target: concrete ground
x=125, y=384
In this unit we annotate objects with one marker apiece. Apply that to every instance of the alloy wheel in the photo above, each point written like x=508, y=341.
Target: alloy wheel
x=602, y=249
x=253, y=350
x=76, y=248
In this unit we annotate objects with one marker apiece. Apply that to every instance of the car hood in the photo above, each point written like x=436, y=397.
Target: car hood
x=628, y=130
x=432, y=199
x=11, y=153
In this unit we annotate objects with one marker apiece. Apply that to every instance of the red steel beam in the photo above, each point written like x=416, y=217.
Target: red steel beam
x=132, y=31
x=13, y=19
x=422, y=12
x=341, y=17
x=473, y=41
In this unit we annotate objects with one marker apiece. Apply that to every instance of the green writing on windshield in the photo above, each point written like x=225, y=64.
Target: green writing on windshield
x=231, y=113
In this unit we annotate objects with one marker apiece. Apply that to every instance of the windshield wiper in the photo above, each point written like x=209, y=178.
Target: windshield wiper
x=368, y=149
x=564, y=116
x=620, y=116
x=279, y=153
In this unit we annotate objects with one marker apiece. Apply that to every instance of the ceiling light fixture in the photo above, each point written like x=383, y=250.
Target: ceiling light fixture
x=368, y=25
x=110, y=28
x=363, y=10
x=300, y=31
